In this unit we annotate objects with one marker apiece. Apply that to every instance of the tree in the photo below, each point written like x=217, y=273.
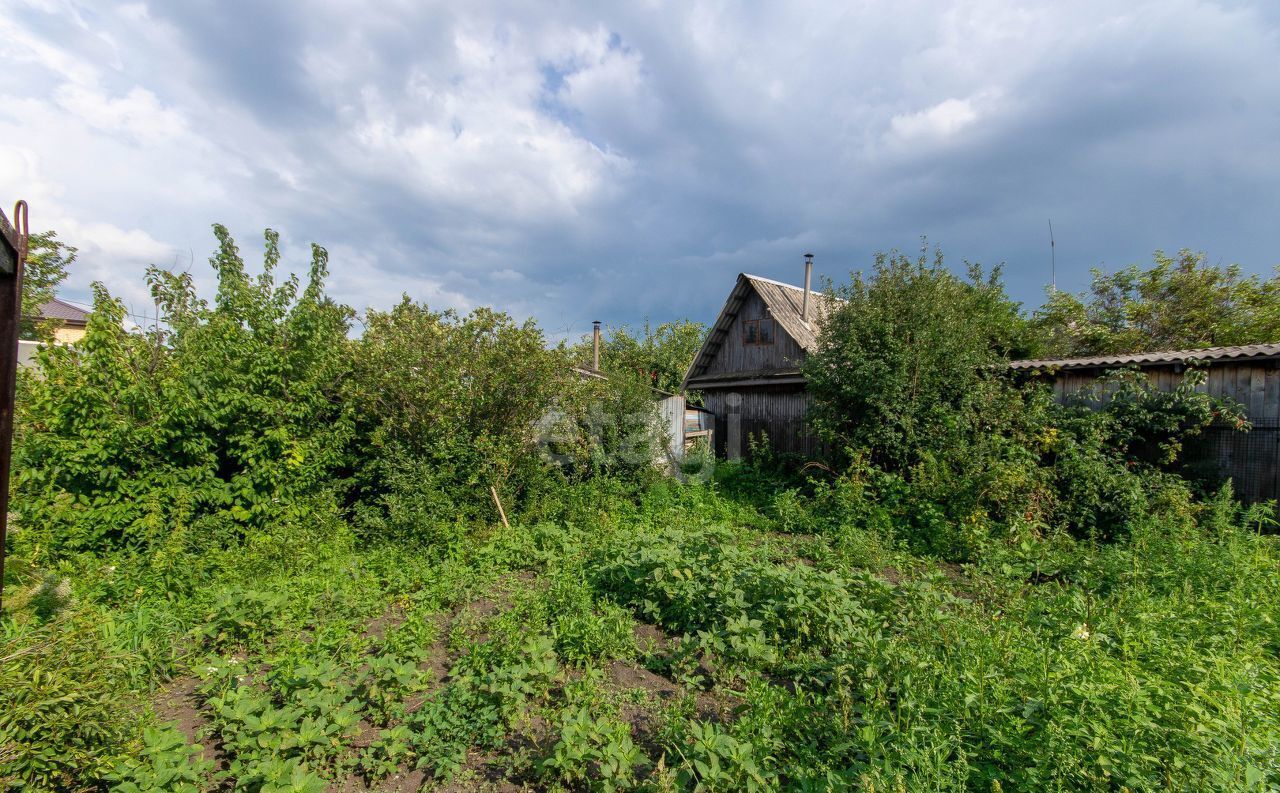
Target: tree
x=904, y=352
x=1180, y=302
x=660, y=355
x=48, y=259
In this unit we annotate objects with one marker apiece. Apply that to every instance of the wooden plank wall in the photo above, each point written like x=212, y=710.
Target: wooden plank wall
x=734, y=356
x=1255, y=385
x=778, y=411
x=671, y=417
x=1252, y=460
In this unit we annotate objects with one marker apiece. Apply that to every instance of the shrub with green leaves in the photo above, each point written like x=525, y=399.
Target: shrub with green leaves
x=168, y=763
x=447, y=409
x=216, y=420
x=901, y=355
x=910, y=388
x=64, y=704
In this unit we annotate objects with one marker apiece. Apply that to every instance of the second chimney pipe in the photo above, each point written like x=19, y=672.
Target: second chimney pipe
x=595, y=345
x=808, y=275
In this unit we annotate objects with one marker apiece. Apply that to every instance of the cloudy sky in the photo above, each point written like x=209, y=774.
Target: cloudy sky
x=572, y=161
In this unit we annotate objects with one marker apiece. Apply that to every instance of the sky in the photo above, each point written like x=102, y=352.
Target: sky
x=574, y=161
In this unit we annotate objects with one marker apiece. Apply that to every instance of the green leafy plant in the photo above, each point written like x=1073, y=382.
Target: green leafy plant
x=716, y=761
x=221, y=419
x=168, y=763
x=1178, y=302
x=593, y=751
x=240, y=616
x=384, y=682
x=392, y=749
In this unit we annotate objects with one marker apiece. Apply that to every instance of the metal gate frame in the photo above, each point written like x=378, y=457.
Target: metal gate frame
x=13, y=255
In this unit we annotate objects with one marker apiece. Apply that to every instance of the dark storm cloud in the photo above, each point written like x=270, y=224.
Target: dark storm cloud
x=250, y=51
x=585, y=162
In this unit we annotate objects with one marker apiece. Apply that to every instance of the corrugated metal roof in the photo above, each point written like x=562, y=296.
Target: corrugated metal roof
x=60, y=309
x=784, y=302
x=1243, y=352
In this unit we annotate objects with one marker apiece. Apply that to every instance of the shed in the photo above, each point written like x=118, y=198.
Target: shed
x=748, y=368
x=682, y=425
x=1248, y=374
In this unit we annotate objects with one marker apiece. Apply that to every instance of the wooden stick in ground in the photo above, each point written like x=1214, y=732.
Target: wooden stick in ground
x=502, y=512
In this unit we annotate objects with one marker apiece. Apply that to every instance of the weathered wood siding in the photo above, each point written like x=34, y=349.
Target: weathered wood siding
x=671, y=417
x=1255, y=385
x=735, y=356
x=780, y=412
x=1251, y=459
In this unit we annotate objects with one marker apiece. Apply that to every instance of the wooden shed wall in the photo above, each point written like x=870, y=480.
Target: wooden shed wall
x=735, y=356
x=781, y=412
x=1251, y=459
x=1254, y=384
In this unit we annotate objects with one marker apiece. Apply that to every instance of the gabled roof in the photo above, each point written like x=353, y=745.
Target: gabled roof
x=60, y=309
x=1243, y=352
x=784, y=302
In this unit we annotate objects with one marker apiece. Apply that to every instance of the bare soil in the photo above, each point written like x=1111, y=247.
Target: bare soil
x=403, y=781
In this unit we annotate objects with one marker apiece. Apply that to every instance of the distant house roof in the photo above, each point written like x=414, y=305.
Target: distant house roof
x=784, y=302
x=1165, y=357
x=64, y=311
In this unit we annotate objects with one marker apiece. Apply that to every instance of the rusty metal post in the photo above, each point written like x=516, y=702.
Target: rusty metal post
x=13, y=255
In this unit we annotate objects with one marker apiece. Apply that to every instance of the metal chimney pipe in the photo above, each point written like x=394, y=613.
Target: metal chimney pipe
x=808, y=277
x=595, y=345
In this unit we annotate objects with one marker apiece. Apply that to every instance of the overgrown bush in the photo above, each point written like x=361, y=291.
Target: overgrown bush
x=447, y=405
x=64, y=713
x=910, y=384
x=216, y=420
x=900, y=357
x=450, y=406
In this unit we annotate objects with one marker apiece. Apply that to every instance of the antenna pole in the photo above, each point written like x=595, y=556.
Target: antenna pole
x=1053, y=260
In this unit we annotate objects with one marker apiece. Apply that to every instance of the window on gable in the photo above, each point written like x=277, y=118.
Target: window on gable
x=757, y=331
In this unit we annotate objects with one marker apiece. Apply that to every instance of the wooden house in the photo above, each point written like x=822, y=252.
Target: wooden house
x=748, y=370
x=1249, y=375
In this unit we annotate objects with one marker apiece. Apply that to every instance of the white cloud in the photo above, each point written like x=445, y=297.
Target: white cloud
x=472, y=136
x=137, y=114
x=942, y=121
